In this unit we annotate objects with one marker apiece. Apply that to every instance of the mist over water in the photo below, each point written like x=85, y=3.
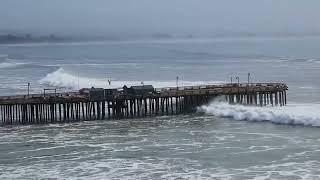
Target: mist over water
x=167, y=18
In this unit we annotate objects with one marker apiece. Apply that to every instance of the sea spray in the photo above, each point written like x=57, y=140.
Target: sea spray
x=69, y=79
x=293, y=114
x=62, y=78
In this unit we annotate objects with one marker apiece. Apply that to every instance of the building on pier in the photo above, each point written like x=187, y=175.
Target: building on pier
x=139, y=90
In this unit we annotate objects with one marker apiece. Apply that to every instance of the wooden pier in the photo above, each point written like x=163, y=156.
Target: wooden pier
x=75, y=107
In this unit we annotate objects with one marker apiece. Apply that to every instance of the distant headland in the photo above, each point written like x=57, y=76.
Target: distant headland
x=28, y=38
x=11, y=38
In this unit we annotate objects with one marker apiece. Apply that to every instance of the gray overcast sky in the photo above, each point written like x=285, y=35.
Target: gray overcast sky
x=149, y=16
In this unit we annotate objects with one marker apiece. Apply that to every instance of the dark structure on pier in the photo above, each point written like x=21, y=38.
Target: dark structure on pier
x=133, y=102
x=139, y=90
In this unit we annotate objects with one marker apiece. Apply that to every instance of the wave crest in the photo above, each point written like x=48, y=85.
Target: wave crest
x=298, y=114
x=5, y=62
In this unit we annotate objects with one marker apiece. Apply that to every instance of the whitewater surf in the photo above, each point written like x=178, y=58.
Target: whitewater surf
x=292, y=114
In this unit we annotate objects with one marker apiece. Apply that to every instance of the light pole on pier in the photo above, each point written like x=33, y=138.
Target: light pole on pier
x=231, y=79
x=109, y=81
x=78, y=81
x=249, y=78
x=177, y=81
x=28, y=90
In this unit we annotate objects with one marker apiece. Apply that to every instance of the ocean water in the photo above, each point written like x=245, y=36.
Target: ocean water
x=220, y=141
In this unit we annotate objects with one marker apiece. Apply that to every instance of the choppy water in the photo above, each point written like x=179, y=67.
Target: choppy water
x=220, y=141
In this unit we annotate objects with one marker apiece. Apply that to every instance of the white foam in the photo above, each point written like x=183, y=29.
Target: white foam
x=9, y=64
x=62, y=78
x=295, y=114
x=5, y=62
x=307, y=87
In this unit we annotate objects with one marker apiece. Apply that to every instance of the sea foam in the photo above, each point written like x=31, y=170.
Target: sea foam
x=293, y=114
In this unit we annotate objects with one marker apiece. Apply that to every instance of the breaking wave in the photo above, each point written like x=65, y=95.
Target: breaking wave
x=13, y=64
x=9, y=64
x=63, y=78
x=294, y=114
x=5, y=62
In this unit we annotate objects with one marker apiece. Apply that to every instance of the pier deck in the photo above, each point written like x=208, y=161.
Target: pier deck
x=75, y=106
